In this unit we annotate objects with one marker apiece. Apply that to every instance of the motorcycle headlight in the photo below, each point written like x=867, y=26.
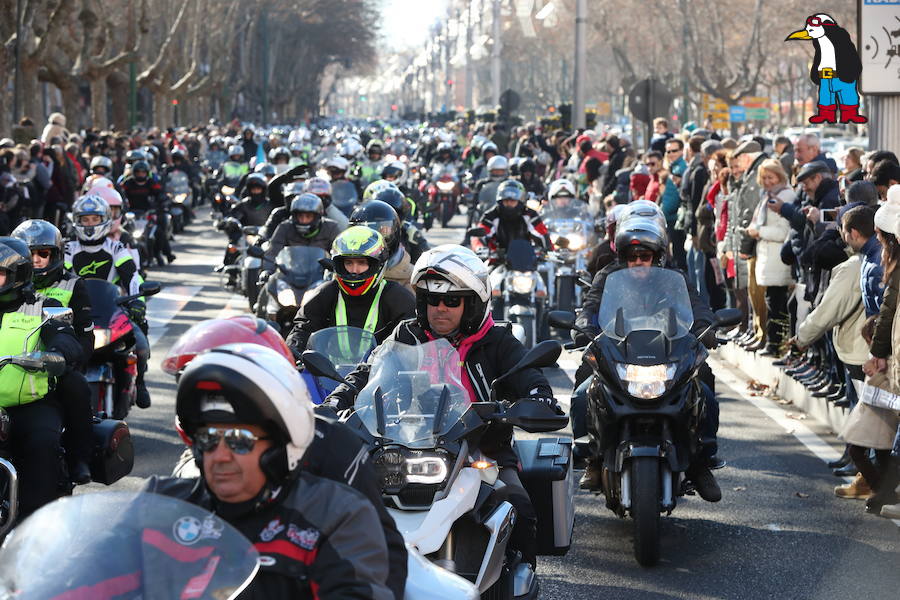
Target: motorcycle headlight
x=285, y=294
x=646, y=382
x=522, y=283
x=576, y=241
x=101, y=338
x=398, y=466
x=534, y=204
x=446, y=186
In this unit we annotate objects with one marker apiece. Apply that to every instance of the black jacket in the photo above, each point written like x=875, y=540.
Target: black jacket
x=253, y=210
x=487, y=359
x=319, y=305
x=286, y=235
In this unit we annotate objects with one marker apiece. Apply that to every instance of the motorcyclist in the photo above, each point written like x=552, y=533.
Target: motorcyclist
x=322, y=188
x=93, y=255
x=480, y=167
x=29, y=398
x=642, y=242
x=280, y=158
x=443, y=157
x=381, y=217
x=234, y=168
x=337, y=167
x=307, y=226
x=358, y=296
x=411, y=236
x=497, y=170
x=370, y=167
x=511, y=220
x=181, y=162
x=528, y=177
x=453, y=302
x=51, y=280
x=250, y=419
x=101, y=165
x=299, y=154
x=144, y=192
x=215, y=155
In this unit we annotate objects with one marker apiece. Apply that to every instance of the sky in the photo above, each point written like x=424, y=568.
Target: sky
x=405, y=23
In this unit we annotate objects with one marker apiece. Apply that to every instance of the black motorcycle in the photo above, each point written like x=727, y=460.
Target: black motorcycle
x=523, y=295
x=645, y=403
x=297, y=269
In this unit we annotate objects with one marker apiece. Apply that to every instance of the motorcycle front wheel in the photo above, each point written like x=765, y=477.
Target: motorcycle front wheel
x=645, y=502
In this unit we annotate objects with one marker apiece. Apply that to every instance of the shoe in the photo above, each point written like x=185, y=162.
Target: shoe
x=590, y=479
x=828, y=391
x=757, y=347
x=827, y=114
x=838, y=395
x=704, y=482
x=812, y=375
x=819, y=383
x=843, y=461
x=848, y=470
x=850, y=114
x=798, y=368
x=219, y=269
x=858, y=489
x=889, y=511
x=886, y=492
x=80, y=472
x=787, y=361
x=715, y=463
x=171, y=258
x=142, y=397
x=802, y=371
x=769, y=352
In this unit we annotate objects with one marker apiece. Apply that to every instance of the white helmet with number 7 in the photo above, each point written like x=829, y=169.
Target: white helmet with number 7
x=453, y=270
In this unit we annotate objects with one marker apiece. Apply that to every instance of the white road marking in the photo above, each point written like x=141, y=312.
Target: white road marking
x=163, y=307
x=816, y=445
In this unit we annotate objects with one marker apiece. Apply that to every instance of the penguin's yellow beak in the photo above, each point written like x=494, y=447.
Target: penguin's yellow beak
x=799, y=35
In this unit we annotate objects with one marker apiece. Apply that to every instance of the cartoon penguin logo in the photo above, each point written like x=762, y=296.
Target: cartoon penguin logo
x=835, y=69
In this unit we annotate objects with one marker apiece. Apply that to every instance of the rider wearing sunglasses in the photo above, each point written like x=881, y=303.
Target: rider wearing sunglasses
x=250, y=418
x=358, y=296
x=453, y=302
x=51, y=279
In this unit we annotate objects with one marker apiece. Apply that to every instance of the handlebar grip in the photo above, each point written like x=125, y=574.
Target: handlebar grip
x=53, y=363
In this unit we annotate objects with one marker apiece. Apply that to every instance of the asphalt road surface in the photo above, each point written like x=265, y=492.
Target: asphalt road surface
x=779, y=531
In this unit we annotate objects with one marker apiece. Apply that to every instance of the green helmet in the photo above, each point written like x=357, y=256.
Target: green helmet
x=359, y=242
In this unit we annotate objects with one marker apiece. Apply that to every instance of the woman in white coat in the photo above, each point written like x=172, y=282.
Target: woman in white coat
x=771, y=230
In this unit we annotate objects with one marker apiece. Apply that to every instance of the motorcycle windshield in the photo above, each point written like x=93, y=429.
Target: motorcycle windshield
x=178, y=183
x=520, y=256
x=488, y=194
x=415, y=393
x=343, y=194
x=103, y=296
x=118, y=545
x=300, y=265
x=645, y=299
x=346, y=347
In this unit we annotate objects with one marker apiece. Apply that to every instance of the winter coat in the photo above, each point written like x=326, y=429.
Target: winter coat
x=840, y=309
x=741, y=207
x=56, y=128
x=882, y=334
x=872, y=277
x=773, y=232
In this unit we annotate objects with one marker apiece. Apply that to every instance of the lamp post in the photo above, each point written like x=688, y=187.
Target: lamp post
x=17, y=87
x=496, y=48
x=578, y=117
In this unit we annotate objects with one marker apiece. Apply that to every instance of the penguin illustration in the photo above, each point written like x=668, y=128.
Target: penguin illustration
x=835, y=69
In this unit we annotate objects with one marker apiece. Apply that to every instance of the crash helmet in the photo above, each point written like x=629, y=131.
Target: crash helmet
x=644, y=232
x=336, y=166
x=450, y=269
x=395, y=199
x=394, y=171
x=643, y=209
x=256, y=180
x=307, y=203
x=381, y=217
x=279, y=153
x=249, y=384
x=489, y=147
x=114, y=199
x=39, y=235
x=444, y=150
x=101, y=165
x=359, y=242
x=376, y=186
x=92, y=204
x=498, y=167
x=218, y=332
x=296, y=149
x=236, y=153
x=320, y=187
x=141, y=166
x=561, y=193
x=132, y=156
x=375, y=145
x=265, y=169
x=15, y=262
x=514, y=163
x=511, y=190
x=178, y=153
x=526, y=165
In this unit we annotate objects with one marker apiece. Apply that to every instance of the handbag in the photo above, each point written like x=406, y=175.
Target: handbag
x=880, y=391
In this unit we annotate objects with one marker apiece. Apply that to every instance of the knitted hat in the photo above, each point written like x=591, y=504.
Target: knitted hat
x=888, y=214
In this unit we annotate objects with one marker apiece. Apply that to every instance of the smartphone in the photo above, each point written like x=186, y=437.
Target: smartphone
x=829, y=214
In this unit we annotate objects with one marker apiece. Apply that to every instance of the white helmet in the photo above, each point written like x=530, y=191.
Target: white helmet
x=561, y=187
x=644, y=209
x=452, y=269
x=337, y=162
x=235, y=150
x=101, y=161
x=496, y=163
x=254, y=385
x=92, y=204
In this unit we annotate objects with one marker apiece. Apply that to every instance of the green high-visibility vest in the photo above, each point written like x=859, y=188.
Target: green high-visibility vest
x=18, y=386
x=61, y=290
x=340, y=311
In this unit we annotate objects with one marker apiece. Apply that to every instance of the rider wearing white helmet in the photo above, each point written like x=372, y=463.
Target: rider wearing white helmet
x=453, y=302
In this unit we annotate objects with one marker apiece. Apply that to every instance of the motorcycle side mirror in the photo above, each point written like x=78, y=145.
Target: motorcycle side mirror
x=728, y=317
x=250, y=230
x=534, y=417
x=255, y=252
x=58, y=313
x=319, y=365
x=562, y=319
x=327, y=264
x=150, y=288
x=129, y=215
x=562, y=242
x=475, y=232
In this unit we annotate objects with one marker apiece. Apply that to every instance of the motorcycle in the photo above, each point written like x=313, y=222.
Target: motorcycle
x=345, y=347
x=442, y=493
x=223, y=201
x=443, y=194
x=112, y=368
x=242, y=271
x=145, y=231
x=297, y=269
x=519, y=292
x=134, y=545
x=178, y=188
x=113, y=455
x=645, y=403
x=344, y=196
x=572, y=236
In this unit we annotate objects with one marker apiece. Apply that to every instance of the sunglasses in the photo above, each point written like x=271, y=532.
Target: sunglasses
x=239, y=441
x=816, y=22
x=449, y=301
x=43, y=252
x=642, y=256
x=673, y=151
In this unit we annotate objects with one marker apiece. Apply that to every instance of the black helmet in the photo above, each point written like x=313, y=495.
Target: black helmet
x=307, y=203
x=256, y=179
x=178, y=153
x=381, y=217
x=141, y=165
x=133, y=156
x=41, y=235
x=395, y=199
x=15, y=261
x=644, y=232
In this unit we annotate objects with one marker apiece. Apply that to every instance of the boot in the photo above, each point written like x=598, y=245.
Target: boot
x=80, y=472
x=827, y=114
x=858, y=489
x=590, y=480
x=843, y=461
x=891, y=511
x=850, y=114
x=887, y=488
x=704, y=482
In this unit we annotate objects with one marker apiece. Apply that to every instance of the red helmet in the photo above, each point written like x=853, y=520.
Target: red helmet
x=218, y=332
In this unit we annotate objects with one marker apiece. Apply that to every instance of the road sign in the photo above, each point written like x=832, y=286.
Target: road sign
x=604, y=109
x=757, y=114
x=649, y=99
x=878, y=45
x=737, y=114
x=755, y=102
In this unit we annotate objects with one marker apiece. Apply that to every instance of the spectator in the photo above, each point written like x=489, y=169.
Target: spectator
x=809, y=150
x=884, y=175
x=616, y=157
x=853, y=170
x=858, y=229
x=784, y=152
x=653, y=160
x=55, y=128
x=876, y=157
x=771, y=230
x=25, y=132
x=661, y=135
x=686, y=207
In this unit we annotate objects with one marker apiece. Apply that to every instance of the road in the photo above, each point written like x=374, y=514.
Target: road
x=779, y=531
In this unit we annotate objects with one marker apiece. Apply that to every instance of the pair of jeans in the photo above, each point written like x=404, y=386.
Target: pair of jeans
x=834, y=91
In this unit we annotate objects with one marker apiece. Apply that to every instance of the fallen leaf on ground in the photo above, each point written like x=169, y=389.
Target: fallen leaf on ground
x=798, y=417
x=801, y=495
x=739, y=488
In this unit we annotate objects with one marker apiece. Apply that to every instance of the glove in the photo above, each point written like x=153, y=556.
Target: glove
x=549, y=401
x=264, y=277
x=54, y=363
x=138, y=311
x=710, y=340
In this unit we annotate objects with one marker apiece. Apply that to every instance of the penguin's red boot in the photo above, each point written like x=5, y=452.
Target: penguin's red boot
x=850, y=114
x=827, y=114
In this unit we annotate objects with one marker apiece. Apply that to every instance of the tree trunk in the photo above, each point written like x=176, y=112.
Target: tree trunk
x=5, y=98
x=98, y=101
x=118, y=93
x=29, y=95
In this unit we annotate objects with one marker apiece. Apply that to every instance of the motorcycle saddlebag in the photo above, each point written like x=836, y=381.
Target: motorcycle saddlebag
x=113, y=456
x=549, y=480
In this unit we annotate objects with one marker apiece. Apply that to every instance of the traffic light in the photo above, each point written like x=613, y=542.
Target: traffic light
x=551, y=109
x=565, y=111
x=394, y=108
x=449, y=82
